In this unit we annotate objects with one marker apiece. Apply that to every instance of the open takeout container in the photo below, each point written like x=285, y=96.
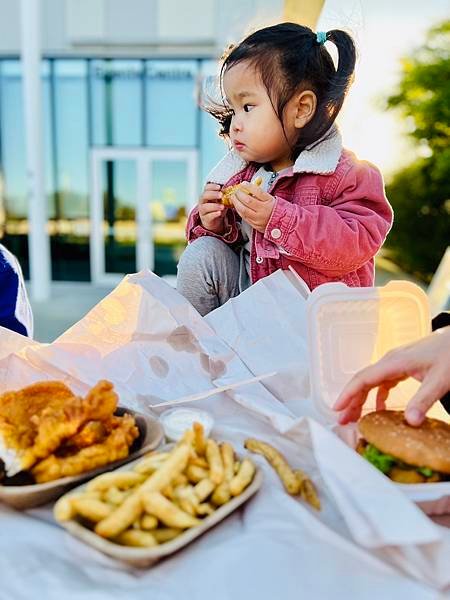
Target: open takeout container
x=146, y=557
x=30, y=495
x=349, y=328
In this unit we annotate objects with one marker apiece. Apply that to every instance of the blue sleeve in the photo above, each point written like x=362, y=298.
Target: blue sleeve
x=9, y=289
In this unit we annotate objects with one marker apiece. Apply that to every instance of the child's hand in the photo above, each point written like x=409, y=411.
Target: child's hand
x=254, y=206
x=210, y=210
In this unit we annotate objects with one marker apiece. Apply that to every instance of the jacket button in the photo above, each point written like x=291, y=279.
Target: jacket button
x=276, y=234
x=259, y=260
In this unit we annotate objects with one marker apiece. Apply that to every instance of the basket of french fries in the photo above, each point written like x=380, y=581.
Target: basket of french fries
x=154, y=506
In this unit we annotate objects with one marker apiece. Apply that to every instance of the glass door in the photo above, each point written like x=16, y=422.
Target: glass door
x=139, y=203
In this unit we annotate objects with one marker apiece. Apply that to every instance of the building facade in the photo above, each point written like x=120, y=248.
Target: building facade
x=127, y=147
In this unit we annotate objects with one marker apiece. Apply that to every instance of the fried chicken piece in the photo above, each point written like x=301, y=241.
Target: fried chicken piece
x=228, y=192
x=114, y=447
x=37, y=419
x=18, y=411
x=54, y=425
x=91, y=433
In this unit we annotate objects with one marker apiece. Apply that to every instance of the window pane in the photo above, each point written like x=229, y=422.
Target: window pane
x=171, y=103
x=169, y=201
x=71, y=138
x=97, y=82
x=117, y=102
x=169, y=185
x=119, y=225
x=13, y=139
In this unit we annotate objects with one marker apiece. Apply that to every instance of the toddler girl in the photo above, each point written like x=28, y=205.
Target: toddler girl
x=316, y=208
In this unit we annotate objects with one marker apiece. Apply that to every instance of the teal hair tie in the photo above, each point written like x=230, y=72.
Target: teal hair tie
x=321, y=37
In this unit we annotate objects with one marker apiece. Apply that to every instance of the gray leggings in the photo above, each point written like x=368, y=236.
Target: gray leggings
x=210, y=273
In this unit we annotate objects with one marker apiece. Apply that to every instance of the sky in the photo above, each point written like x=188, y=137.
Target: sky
x=384, y=31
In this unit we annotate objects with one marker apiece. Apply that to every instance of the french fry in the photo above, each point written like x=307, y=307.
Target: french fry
x=199, y=439
x=186, y=498
x=167, y=512
x=243, y=477
x=131, y=509
x=187, y=438
x=221, y=494
x=180, y=480
x=64, y=510
x=186, y=506
x=115, y=496
x=120, y=479
x=237, y=466
x=168, y=491
x=136, y=537
x=172, y=467
x=121, y=518
x=196, y=474
x=151, y=463
x=165, y=534
x=92, y=509
x=148, y=522
x=215, y=462
x=227, y=453
x=199, y=461
x=308, y=490
x=204, y=509
x=203, y=489
x=289, y=479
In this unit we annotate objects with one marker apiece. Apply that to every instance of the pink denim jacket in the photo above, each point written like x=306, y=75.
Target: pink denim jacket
x=330, y=218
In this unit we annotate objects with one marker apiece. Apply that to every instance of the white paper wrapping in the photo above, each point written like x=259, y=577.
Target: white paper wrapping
x=369, y=540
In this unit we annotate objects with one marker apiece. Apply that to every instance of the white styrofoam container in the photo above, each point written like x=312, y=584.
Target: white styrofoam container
x=349, y=328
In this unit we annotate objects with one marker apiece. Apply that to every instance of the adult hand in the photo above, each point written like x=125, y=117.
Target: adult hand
x=210, y=210
x=254, y=206
x=427, y=360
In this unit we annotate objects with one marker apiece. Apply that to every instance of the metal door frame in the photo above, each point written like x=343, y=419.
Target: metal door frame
x=144, y=158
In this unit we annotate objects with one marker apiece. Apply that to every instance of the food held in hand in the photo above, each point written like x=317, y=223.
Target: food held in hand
x=48, y=431
x=158, y=500
x=404, y=453
x=228, y=192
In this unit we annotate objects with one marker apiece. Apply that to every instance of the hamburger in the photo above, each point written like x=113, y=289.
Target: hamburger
x=404, y=453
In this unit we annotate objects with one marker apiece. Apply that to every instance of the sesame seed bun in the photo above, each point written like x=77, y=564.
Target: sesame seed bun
x=424, y=446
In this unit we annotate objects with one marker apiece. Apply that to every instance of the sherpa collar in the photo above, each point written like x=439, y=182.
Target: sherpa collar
x=322, y=159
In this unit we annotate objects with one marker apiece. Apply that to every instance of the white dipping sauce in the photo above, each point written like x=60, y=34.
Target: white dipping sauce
x=177, y=420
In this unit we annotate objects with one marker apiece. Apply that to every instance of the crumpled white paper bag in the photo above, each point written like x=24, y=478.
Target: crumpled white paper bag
x=153, y=345
x=267, y=328
x=149, y=341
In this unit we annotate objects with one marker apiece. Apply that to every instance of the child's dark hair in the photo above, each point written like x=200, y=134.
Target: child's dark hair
x=289, y=59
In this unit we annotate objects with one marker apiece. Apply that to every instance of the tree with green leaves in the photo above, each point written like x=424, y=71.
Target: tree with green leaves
x=420, y=193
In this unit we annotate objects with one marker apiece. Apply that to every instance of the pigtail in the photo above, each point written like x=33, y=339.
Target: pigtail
x=343, y=78
x=329, y=83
